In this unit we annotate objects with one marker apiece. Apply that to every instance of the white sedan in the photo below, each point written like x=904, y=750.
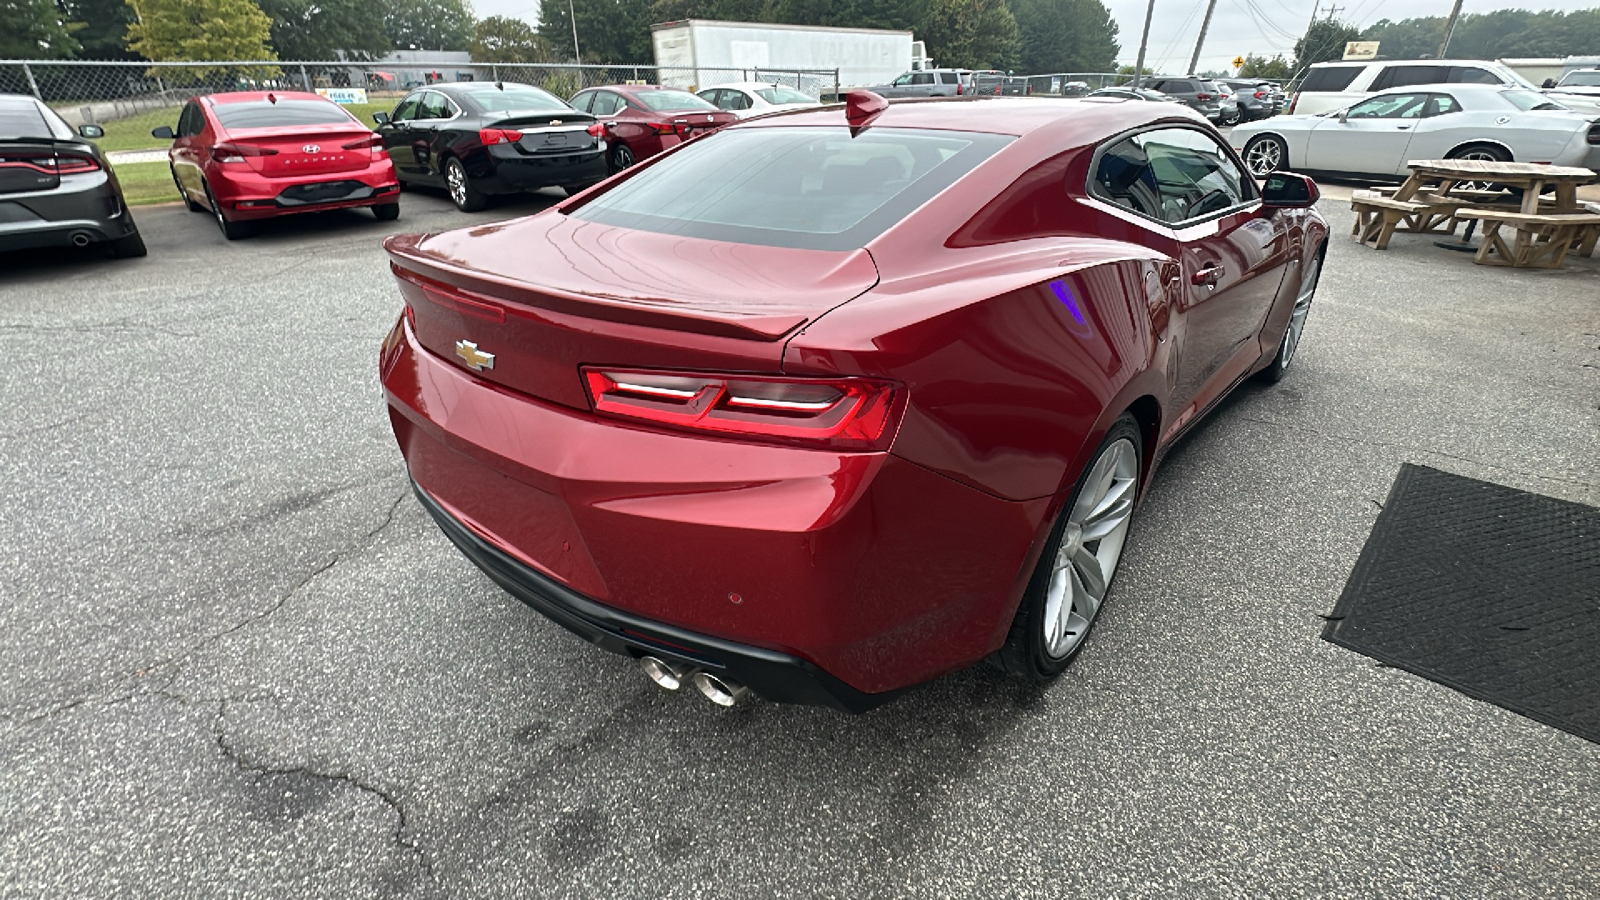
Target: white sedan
x=753, y=98
x=1443, y=121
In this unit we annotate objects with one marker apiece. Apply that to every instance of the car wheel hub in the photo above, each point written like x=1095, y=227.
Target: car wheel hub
x=1263, y=158
x=458, y=182
x=1090, y=547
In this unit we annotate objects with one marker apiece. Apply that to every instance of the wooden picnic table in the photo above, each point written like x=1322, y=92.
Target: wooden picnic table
x=1441, y=191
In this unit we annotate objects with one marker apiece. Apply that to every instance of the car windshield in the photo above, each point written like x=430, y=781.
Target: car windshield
x=665, y=100
x=515, y=96
x=780, y=94
x=1528, y=100
x=1580, y=79
x=266, y=114
x=814, y=188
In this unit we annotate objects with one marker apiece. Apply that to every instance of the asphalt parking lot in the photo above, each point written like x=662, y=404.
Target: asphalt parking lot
x=239, y=660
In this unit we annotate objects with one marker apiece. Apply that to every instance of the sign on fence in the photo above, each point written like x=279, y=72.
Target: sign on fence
x=344, y=95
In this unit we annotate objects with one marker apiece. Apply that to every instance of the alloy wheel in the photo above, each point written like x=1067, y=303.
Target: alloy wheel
x=1263, y=157
x=455, y=178
x=1486, y=156
x=623, y=157
x=1297, y=319
x=1089, y=548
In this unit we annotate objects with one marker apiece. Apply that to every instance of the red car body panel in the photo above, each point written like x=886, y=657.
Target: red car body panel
x=253, y=187
x=1020, y=319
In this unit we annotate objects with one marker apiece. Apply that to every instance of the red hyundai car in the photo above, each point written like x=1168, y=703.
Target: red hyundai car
x=642, y=120
x=256, y=155
x=877, y=404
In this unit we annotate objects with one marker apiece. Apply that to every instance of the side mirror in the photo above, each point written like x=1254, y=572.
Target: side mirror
x=382, y=118
x=1344, y=115
x=1286, y=190
x=91, y=131
x=1549, y=83
x=164, y=132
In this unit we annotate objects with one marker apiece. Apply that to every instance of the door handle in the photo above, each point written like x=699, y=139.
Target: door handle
x=1402, y=127
x=1207, y=276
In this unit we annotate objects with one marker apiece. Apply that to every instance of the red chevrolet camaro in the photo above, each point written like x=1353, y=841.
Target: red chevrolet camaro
x=260, y=154
x=827, y=404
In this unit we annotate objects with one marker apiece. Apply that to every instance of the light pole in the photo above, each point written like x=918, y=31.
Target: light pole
x=577, y=55
x=1144, y=41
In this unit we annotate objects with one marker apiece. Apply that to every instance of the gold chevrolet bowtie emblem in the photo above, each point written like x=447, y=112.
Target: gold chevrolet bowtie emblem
x=475, y=359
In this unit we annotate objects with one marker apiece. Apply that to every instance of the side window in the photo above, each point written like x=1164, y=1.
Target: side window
x=949, y=78
x=1405, y=76
x=1472, y=75
x=1440, y=104
x=407, y=110
x=434, y=106
x=904, y=79
x=190, y=122
x=1390, y=106
x=582, y=101
x=735, y=100
x=606, y=104
x=1171, y=174
x=922, y=78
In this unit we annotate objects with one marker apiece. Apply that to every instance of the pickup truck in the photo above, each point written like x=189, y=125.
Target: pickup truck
x=928, y=83
x=994, y=83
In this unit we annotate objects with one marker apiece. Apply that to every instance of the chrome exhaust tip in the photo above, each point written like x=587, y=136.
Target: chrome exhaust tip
x=81, y=239
x=720, y=691
x=667, y=675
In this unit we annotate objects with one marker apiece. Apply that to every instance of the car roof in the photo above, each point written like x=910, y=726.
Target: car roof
x=744, y=85
x=633, y=88
x=1096, y=118
x=261, y=96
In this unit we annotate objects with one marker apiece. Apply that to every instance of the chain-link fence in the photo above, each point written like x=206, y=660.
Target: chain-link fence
x=1074, y=84
x=106, y=91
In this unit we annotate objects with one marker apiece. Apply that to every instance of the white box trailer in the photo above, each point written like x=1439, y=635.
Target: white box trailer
x=697, y=53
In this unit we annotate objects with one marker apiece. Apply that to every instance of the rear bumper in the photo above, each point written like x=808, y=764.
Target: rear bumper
x=812, y=576
x=90, y=204
x=506, y=172
x=775, y=676
x=247, y=195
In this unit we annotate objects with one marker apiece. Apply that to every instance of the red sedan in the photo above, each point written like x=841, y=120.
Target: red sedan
x=256, y=155
x=642, y=120
x=876, y=405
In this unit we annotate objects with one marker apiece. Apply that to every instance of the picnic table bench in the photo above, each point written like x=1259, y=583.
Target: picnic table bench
x=1541, y=241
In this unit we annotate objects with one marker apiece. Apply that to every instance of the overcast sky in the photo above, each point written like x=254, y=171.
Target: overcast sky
x=1238, y=27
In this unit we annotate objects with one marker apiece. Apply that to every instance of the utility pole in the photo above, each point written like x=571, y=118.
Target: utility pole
x=577, y=56
x=1144, y=41
x=1205, y=23
x=1449, y=29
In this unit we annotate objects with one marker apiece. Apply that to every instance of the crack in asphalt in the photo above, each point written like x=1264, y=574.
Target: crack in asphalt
x=403, y=834
x=1393, y=446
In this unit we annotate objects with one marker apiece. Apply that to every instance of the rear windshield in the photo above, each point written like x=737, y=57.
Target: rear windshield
x=664, y=100
x=1331, y=79
x=264, y=114
x=20, y=118
x=1581, y=79
x=781, y=94
x=813, y=188
x=515, y=96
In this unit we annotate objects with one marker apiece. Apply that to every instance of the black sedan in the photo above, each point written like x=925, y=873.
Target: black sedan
x=56, y=190
x=476, y=139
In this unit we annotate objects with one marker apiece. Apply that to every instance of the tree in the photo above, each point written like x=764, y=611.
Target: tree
x=609, y=31
x=971, y=34
x=1324, y=40
x=198, y=30
x=34, y=29
x=1275, y=69
x=427, y=24
x=1066, y=35
x=498, y=39
x=325, y=29
x=100, y=27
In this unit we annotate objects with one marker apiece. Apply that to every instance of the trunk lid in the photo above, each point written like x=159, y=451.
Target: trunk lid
x=305, y=150
x=28, y=165
x=696, y=120
x=544, y=131
x=548, y=294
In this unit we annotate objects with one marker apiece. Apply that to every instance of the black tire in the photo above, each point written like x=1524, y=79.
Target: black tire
x=459, y=186
x=1265, y=154
x=1233, y=120
x=231, y=230
x=386, y=212
x=1026, y=652
x=128, y=247
x=187, y=200
x=1294, y=331
x=1489, y=152
x=621, y=158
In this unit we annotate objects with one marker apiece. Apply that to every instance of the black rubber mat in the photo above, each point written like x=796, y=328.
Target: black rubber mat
x=1490, y=590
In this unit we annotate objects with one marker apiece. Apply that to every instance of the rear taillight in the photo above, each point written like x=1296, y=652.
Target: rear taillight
x=492, y=136
x=666, y=128
x=597, y=129
x=374, y=143
x=1594, y=134
x=1261, y=95
x=50, y=164
x=236, y=153
x=837, y=413
x=959, y=90
x=1028, y=89
x=1292, y=101
x=75, y=165
x=1202, y=96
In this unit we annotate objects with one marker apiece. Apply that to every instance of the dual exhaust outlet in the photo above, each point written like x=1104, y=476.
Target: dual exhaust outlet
x=672, y=676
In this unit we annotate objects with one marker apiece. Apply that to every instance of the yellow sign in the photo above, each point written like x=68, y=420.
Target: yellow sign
x=1238, y=62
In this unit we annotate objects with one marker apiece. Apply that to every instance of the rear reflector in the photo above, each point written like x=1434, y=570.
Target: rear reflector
x=492, y=136
x=835, y=413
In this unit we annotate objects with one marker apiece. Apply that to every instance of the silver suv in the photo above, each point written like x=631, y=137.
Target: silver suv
x=928, y=83
x=1205, y=97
